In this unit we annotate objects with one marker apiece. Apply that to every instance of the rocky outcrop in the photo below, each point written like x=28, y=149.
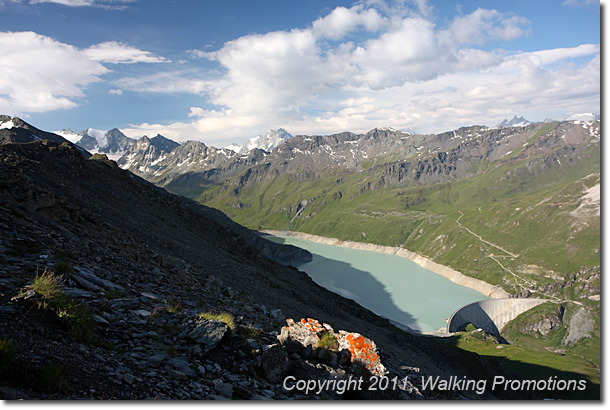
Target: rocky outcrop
x=343, y=346
x=581, y=326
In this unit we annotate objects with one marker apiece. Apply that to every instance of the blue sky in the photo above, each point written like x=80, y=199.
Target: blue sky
x=224, y=71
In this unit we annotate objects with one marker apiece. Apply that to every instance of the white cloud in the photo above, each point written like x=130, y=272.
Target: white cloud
x=82, y=3
x=72, y=3
x=406, y=73
x=39, y=74
x=342, y=21
x=168, y=82
x=117, y=53
x=482, y=25
x=374, y=64
x=580, y=3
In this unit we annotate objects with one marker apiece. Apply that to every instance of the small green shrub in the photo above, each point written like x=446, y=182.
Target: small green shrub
x=470, y=327
x=221, y=317
x=328, y=341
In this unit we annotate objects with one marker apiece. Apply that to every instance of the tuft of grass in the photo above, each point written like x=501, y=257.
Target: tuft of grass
x=173, y=307
x=76, y=317
x=221, y=317
x=328, y=341
x=250, y=332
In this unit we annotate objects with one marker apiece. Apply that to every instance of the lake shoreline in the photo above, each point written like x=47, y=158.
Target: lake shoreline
x=485, y=288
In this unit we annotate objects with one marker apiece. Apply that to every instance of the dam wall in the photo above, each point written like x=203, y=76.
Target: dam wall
x=491, y=315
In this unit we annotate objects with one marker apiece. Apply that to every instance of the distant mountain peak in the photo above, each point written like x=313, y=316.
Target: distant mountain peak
x=514, y=122
x=268, y=142
x=113, y=142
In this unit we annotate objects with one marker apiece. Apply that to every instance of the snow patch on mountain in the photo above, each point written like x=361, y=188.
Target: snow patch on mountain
x=69, y=135
x=100, y=137
x=7, y=125
x=587, y=116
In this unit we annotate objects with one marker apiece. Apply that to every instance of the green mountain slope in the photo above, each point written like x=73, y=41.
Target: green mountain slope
x=524, y=215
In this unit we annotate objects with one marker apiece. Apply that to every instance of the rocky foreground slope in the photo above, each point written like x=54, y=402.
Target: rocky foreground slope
x=160, y=298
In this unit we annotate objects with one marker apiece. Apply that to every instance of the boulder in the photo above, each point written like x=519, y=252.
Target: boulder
x=208, y=334
x=275, y=363
x=361, y=352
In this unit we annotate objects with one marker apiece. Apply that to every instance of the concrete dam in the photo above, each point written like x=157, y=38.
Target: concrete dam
x=491, y=315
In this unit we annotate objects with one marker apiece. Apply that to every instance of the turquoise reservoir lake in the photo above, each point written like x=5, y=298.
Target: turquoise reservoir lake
x=390, y=286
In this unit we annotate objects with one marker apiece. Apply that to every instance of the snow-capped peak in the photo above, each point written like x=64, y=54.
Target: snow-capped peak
x=113, y=143
x=515, y=122
x=272, y=139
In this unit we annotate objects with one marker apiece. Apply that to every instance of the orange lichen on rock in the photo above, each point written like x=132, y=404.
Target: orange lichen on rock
x=362, y=350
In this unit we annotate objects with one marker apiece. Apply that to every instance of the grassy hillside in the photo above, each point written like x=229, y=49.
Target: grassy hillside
x=533, y=364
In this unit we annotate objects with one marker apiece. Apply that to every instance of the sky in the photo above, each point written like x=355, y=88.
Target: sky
x=223, y=71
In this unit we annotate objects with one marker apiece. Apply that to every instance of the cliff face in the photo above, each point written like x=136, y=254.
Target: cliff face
x=154, y=271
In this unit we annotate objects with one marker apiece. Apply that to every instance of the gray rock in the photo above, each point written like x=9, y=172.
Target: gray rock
x=226, y=389
x=8, y=393
x=278, y=315
x=85, y=283
x=7, y=309
x=141, y=312
x=208, y=334
x=176, y=374
x=89, y=276
x=100, y=320
x=152, y=296
x=79, y=293
x=274, y=363
x=155, y=360
x=182, y=365
x=581, y=325
x=128, y=378
x=131, y=303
